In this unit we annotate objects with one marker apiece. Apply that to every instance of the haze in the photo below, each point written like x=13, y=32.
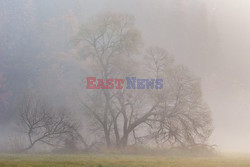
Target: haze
x=216, y=49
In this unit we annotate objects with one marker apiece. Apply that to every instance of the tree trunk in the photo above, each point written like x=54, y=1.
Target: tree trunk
x=107, y=137
x=124, y=141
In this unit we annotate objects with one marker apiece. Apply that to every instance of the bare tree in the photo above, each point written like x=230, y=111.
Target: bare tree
x=107, y=39
x=182, y=118
x=175, y=114
x=43, y=125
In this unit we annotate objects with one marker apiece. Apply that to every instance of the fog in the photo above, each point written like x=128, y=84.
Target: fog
x=210, y=37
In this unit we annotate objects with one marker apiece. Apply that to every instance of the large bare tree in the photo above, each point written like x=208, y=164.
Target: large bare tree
x=175, y=114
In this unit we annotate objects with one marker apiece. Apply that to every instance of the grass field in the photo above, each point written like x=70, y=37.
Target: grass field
x=119, y=161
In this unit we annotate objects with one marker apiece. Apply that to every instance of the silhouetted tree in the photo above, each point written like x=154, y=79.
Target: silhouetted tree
x=109, y=43
x=41, y=124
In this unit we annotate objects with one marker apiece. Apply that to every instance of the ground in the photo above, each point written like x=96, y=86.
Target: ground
x=119, y=161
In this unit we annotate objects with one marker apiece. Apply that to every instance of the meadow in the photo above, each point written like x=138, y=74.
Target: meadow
x=120, y=161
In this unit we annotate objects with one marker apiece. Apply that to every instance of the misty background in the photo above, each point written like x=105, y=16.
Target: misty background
x=210, y=37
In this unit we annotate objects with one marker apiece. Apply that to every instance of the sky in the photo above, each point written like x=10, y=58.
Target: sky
x=223, y=64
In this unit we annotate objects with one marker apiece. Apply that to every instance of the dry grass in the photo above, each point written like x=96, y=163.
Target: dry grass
x=119, y=161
